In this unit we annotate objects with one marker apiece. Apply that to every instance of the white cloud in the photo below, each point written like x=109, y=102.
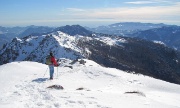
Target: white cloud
x=75, y=9
x=143, y=13
x=162, y=2
x=141, y=2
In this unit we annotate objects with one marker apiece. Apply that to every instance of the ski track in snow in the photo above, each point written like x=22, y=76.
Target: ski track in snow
x=99, y=87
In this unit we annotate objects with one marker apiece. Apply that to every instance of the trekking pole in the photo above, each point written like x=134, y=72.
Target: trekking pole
x=45, y=72
x=57, y=72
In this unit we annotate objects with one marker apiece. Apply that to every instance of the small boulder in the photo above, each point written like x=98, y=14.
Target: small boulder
x=82, y=62
x=58, y=87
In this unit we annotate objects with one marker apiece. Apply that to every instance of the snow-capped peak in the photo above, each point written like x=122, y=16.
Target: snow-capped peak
x=36, y=48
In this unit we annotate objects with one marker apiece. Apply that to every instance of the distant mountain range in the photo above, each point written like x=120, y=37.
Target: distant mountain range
x=125, y=53
x=36, y=30
x=8, y=33
x=125, y=28
x=169, y=36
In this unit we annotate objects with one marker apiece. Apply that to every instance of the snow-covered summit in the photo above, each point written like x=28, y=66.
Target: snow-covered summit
x=36, y=48
x=24, y=85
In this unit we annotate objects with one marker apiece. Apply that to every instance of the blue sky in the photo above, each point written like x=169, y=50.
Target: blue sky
x=87, y=12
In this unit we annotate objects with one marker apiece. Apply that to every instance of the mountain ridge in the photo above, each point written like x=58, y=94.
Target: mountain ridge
x=170, y=36
x=74, y=30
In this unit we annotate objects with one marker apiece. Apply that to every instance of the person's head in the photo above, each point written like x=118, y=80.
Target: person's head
x=51, y=54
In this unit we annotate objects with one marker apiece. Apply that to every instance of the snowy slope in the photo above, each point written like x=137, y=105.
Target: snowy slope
x=24, y=85
x=36, y=48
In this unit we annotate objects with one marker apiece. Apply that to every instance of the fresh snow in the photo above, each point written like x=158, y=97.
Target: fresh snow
x=111, y=41
x=159, y=42
x=24, y=85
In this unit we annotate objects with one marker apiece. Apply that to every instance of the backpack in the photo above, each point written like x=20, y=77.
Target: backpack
x=48, y=60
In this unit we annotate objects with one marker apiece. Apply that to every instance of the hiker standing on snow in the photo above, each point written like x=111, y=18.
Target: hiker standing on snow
x=51, y=61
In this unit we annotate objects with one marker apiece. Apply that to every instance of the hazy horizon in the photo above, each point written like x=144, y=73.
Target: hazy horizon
x=84, y=25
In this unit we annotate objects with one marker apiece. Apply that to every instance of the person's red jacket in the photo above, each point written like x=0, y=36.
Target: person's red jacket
x=53, y=60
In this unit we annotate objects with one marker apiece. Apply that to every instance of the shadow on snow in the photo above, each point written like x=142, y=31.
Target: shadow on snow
x=40, y=80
